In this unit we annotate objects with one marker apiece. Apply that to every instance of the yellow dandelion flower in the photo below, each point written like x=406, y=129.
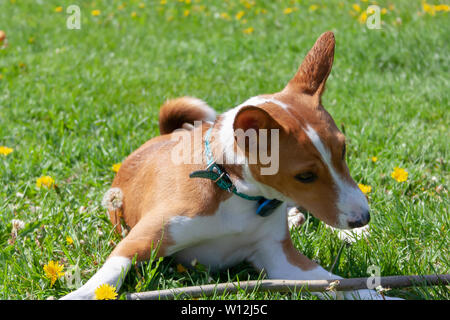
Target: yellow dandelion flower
x=141, y=5
x=225, y=16
x=186, y=12
x=134, y=14
x=365, y=189
x=428, y=8
x=313, y=7
x=239, y=15
x=288, y=11
x=362, y=18
x=248, y=30
x=163, y=2
x=105, y=292
x=69, y=240
x=248, y=4
x=399, y=174
x=181, y=268
x=1, y=77
x=59, y=9
x=356, y=7
x=442, y=7
x=45, y=181
x=5, y=150
x=187, y=1
x=95, y=12
x=116, y=167
x=374, y=159
x=384, y=11
x=263, y=11
x=53, y=270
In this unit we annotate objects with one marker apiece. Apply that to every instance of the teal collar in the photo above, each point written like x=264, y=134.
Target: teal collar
x=221, y=178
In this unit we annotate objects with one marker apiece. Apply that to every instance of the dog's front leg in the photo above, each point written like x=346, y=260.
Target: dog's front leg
x=112, y=273
x=144, y=237
x=280, y=260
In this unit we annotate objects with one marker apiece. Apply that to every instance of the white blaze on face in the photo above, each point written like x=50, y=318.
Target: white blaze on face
x=351, y=201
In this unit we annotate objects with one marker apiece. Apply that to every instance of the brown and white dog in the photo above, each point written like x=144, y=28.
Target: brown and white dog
x=195, y=219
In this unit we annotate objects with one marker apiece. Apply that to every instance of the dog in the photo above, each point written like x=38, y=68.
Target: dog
x=222, y=214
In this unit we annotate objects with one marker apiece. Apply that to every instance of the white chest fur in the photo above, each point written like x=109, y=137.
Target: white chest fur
x=229, y=236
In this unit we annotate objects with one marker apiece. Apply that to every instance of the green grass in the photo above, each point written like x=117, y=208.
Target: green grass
x=74, y=102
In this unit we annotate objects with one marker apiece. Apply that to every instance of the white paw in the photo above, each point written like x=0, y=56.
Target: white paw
x=351, y=235
x=295, y=218
x=112, y=273
x=83, y=293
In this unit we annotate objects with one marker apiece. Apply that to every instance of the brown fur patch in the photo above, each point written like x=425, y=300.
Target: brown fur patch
x=294, y=256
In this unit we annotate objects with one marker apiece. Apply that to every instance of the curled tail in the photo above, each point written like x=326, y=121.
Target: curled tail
x=182, y=112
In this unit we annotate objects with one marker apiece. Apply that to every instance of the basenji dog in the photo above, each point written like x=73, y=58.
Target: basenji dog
x=219, y=208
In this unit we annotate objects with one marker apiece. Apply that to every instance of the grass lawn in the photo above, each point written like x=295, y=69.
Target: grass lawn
x=75, y=102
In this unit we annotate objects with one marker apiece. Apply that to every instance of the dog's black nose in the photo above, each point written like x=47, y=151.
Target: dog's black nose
x=361, y=222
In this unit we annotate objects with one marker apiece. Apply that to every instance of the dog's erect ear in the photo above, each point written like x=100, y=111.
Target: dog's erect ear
x=251, y=117
x=313, y=72
x=253, y=131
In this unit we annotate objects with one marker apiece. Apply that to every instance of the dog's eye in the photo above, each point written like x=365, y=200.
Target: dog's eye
x=344, y=149
x=306, y=177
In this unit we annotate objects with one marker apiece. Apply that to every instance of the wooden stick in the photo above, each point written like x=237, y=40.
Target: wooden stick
x=286, y=286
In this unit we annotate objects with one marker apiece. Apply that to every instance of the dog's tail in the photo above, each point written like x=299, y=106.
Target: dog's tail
x=182, y=112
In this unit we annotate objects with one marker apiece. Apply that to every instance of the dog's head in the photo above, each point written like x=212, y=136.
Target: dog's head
x=312, y=167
